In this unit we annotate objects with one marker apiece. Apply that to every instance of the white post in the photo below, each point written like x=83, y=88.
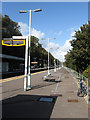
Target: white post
x=57, y=64
x=26, y=59
x=62, y=59
x=29, y=75
x=48, y=57
x=87, y=92
x=54, y=66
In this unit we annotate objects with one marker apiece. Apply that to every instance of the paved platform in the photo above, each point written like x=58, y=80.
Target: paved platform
x=60, y=86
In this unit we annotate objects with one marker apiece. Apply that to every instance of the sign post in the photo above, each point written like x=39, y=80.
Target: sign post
x=26, y=59
x=19, y=41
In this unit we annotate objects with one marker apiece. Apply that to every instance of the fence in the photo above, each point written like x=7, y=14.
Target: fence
x=78, y=75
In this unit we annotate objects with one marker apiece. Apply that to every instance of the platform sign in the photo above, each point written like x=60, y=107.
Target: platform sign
x=20, y=41
x=13, y=42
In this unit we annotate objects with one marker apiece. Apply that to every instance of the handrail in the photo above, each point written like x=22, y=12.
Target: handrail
x=76, y=75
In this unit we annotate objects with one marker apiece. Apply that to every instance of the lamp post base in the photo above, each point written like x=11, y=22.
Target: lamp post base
x=29, y=88
x=25, y=89
x=49, y=74
x=54, y=70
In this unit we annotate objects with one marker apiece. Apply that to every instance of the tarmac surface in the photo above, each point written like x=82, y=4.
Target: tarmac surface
x=53, y=97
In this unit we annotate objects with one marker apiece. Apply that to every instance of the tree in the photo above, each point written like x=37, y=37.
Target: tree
x=9, y=27
x=39, y=53
x=78, y=58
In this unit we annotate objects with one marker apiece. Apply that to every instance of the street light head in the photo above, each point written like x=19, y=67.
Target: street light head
x=23, y=11
x=37, y=10
x=51, y=38
x=43, y=39
x=47, y=38
x=54, y=38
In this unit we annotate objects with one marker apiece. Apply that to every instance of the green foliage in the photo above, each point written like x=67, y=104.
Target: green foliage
x=9, y=28
x=38, y=53
x=86, y=72
x=78, y=58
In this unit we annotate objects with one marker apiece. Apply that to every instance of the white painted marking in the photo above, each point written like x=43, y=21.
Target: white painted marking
x=56, y=89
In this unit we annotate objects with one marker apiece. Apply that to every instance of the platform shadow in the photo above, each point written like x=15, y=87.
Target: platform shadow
x=52, y=80
x=42, y=85
x=27, y=106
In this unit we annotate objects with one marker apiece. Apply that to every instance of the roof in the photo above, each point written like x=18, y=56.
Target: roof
x=10, y=57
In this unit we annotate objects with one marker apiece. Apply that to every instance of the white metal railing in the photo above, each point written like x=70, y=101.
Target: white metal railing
x=78, y=75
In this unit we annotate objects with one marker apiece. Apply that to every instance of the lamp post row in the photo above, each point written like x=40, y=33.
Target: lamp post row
x=48, y=53
x=28, y=44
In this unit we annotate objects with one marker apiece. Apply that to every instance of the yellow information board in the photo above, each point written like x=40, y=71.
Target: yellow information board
x=13, y=42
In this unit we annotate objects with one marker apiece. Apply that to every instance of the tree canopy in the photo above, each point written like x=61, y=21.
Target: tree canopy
x=38, y=53
x=9, y=27
x=78, y=58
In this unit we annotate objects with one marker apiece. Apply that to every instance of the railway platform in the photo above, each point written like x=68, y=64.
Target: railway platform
x=53, y=97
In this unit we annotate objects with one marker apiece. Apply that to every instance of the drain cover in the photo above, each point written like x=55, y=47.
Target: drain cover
x=43, y=99
x=73, y=100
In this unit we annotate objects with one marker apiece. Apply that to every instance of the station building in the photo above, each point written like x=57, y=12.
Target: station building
x=13, y=60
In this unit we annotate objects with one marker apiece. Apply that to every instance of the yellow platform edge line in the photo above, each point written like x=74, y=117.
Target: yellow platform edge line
x=18, y=77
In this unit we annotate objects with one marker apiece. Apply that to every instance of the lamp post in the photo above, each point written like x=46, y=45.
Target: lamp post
x=48, y=53
x=61, y=59
x=54, y=65
x=57, y=64
x=57, y=59
x=25, y=11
